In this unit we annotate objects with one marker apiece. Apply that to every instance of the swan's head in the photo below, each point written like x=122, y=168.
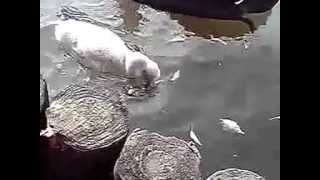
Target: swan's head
x=139, y=66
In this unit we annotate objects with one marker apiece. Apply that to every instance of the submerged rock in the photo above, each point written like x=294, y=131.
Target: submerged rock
x=148, y=155
x=235, y=174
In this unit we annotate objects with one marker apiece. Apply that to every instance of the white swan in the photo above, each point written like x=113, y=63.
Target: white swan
x=103, y=50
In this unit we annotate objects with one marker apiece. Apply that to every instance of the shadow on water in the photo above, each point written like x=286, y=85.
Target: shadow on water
x=69, y=164
x=205, y=26
x=224, y=20
x=218, y=9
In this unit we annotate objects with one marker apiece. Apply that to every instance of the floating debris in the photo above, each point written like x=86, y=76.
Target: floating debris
x=224, y=38
x=59, y=66
x=218, y=40
x=159, y=81
x=189, y=33
x=87, y=79
x=94, y=4
x=239, y=38
x=231, y=126
x=238, y=2
x=177, y=39
x=275, y=118
x=219, y=63
x=235, y=155
x=175, y=76
x=193, y=135
x=48, y=132
x=130, y=91
x=140, y=34
x=246, y=44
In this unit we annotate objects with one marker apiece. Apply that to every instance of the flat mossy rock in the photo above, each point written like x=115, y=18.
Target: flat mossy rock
x=148, y=155
x=235, y=174
x=90, y=115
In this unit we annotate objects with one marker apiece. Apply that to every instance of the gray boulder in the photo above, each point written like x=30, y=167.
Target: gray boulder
x=148, y=155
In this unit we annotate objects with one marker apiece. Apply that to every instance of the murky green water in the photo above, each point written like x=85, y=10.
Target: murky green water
x=240, y=80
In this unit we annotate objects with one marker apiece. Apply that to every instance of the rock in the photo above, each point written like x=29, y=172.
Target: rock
x=89, y=120
x=148, y=155
x=90, y=115
x=44, y=102
x=235, y=174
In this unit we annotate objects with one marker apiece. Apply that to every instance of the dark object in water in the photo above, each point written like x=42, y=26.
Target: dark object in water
x=257, y=6
x=71, y=164
x=234, y=174
x=90, y=124
x=219, y=9
x=44, y=102
x=147, y=155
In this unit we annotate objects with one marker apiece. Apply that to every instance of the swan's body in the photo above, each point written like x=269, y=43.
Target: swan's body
x=103, y=50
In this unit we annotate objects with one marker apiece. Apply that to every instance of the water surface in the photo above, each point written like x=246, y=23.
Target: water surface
x=240, y=80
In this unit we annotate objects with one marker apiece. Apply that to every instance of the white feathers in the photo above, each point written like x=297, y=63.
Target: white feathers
x=103, y=50
x=193, y=136
x=231, y=126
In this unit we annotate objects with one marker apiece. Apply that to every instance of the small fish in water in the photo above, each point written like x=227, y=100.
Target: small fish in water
x=275, y=118
x=47, y=132
x=177, y=39
x=231, y=126
x=175, y=76
x=193, y=135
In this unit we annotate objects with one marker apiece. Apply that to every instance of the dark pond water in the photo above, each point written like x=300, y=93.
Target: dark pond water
x=240, y=80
